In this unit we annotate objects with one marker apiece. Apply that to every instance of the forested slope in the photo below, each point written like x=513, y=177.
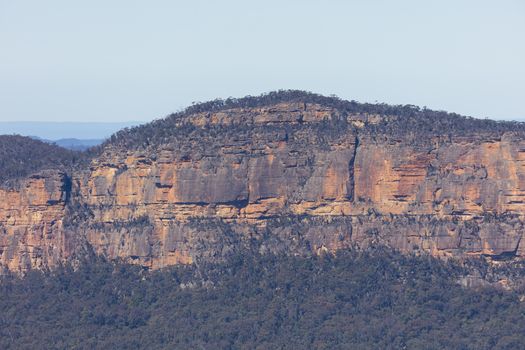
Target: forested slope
x=21, y=156
x=360, y=300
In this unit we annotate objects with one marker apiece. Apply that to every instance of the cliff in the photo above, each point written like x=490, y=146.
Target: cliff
x=301, y=174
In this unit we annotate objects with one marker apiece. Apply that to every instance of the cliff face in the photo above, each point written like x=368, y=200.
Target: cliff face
x=297, y=177
x=31, y=233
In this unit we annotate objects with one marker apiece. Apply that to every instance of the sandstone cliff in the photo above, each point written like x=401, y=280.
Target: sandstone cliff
x=298, y=175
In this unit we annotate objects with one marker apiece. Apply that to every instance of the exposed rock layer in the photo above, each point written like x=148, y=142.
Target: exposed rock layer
x=297, y=177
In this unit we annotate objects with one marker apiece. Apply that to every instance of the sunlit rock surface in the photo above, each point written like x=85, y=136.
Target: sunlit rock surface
x=294, y=176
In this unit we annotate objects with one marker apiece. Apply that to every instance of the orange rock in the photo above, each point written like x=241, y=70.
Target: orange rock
x=145, y=206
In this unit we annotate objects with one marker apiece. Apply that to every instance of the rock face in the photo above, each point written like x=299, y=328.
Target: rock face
x=31, y=217
x=293, y=176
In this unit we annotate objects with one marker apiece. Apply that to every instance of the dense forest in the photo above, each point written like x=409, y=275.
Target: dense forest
x=355, y=300
x=408, y=119
x=21, y=156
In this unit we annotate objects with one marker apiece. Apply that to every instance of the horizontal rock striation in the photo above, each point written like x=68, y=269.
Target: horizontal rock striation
x=31, y=222
x=295, y=176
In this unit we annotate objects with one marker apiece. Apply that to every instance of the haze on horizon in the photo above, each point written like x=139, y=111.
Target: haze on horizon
x=118, y=61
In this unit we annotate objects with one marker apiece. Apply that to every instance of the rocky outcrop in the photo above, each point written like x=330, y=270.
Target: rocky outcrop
x=31, y=217
x=295, y=176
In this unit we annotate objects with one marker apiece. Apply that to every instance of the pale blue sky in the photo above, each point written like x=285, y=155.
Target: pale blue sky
x=124, y=60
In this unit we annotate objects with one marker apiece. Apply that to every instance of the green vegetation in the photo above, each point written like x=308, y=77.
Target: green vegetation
x=22, y=156
x=357, y=300
x=407, y=119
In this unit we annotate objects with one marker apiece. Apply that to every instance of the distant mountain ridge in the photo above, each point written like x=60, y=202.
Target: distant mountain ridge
x=78, y=144
x=64, y=130
x=72, y=143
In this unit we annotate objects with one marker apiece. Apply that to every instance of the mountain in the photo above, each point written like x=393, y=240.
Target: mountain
x=286, y=172
x=73, y=144
x=23, y=156
x=64, y=130
x=78, y=144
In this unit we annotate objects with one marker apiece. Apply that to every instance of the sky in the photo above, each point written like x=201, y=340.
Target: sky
x=127, y=60
x=64, y=130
